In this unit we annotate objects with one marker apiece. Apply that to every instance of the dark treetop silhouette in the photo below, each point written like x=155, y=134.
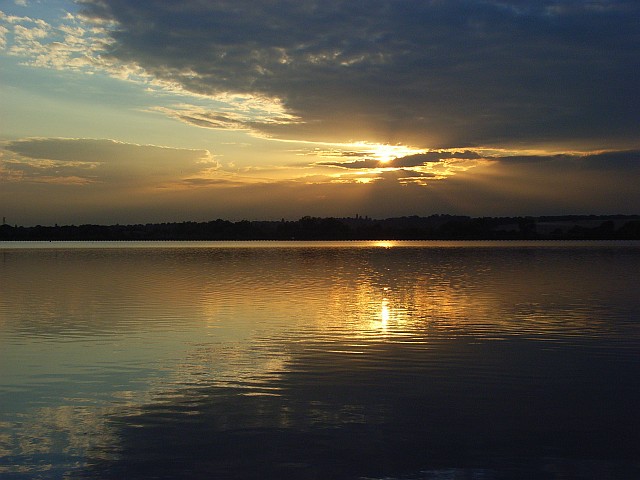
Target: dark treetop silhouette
x=435, y=227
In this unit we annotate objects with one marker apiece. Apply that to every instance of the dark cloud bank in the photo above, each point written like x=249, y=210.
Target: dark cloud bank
x=434, y=74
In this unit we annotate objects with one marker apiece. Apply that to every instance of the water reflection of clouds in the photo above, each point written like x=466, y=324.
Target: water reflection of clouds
x=251, y=367
x=48, y=433
x=255, y=322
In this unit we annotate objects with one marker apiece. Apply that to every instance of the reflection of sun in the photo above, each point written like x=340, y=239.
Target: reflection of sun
x=385, y=243
x=384, y=312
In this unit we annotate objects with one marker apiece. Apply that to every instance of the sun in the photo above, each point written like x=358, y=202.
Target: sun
x=385, y=152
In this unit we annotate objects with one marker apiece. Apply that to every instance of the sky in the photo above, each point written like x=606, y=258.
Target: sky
x=136, y=111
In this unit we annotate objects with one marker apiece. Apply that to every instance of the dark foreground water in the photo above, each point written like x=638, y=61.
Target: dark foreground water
x=364, y=360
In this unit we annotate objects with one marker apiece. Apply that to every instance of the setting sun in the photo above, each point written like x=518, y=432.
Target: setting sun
x=384, y=153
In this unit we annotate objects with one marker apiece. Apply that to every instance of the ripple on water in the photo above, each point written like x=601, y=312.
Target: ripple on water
x=358, y=362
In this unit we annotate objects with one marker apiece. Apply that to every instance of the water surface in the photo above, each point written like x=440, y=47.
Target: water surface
x=395, y=360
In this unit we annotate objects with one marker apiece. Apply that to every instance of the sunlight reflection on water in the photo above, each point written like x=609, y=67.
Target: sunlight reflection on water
x=378, y=360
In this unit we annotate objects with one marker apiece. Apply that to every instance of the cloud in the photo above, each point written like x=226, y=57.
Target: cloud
x=432, y=74
x=81, y=43
x=407, y=161
x=208, y=182
x=82, y=161
x=243, y=116
x=356, y=164
x=567, y=183
x=478, y=183
x=3, y=37
x=626, y=161
x=404, y=177
x=68, y=44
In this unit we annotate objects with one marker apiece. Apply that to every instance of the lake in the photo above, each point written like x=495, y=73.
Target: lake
x=320, y=360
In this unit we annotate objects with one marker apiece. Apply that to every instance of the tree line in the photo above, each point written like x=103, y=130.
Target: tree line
x=434, y=227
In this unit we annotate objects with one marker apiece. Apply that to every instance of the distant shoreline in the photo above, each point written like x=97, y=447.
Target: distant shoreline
x=434, y=227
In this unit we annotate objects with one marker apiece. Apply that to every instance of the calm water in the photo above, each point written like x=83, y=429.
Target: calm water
x=369, y=360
